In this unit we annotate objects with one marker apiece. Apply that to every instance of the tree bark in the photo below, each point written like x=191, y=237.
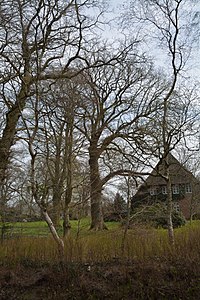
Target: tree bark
x=56, y=210
x=68, y=198
x=54, y=233
x=66, y=223
x=97, y=222
x=9, y=131
x=169, y=212
x=68, y=167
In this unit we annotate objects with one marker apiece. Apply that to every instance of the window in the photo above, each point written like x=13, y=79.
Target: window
x=188, y=188
x=153, y=190
x=164, y=189
x=176, y=207
x=175, y=189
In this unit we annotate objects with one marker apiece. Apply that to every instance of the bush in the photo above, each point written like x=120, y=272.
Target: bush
x=196, y=216
x=115, y=217
x=156, y=216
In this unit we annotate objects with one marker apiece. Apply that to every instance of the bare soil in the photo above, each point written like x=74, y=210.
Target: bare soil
x=116, y=279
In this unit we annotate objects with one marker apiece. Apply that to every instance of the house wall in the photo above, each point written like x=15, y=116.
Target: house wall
x=186, y=196
x=183, y=199
x=185, y=206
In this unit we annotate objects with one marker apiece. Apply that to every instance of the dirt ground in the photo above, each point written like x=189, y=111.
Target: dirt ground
x=109, y=280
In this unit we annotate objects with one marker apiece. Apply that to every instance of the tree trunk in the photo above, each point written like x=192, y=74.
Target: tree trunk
x=169, y=219
x=97, y=222
x=169, y=208
x=127, y=217
x=2, y=204
x=68, y=197
x=56, y=210
x=54, y=233
x=66, y=223
x=9, y=131
x=68, y=166
x=41, y=204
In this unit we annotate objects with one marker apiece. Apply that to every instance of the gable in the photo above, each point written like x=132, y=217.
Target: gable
x=178, y=173
x=185, y=188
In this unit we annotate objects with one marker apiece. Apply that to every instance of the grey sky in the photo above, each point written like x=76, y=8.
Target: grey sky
x=193, y=63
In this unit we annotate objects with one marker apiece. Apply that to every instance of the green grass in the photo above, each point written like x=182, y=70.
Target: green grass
x=40, y=228
x=26, y=229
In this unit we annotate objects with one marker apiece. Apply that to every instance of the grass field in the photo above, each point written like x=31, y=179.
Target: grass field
x=40, y=228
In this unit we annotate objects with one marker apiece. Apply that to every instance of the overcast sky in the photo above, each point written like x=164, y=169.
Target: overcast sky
x=193, y=64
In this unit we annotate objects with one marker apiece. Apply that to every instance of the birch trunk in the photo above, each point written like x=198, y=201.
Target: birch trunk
x=54, y=233
x=169, y=211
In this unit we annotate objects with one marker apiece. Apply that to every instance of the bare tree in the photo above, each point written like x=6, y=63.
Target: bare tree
x=165, y=21
x=40, y=40
x=39, y=192
x=116, y=102
x=49, y=121
x=57, y=133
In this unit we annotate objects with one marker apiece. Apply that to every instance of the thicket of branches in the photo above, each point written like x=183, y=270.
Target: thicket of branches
x=77, y=111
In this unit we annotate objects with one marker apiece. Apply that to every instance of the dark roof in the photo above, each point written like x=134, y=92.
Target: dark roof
x=179, y=174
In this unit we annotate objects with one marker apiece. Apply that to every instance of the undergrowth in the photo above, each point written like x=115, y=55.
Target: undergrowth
x=102, y=265
x=141, y=243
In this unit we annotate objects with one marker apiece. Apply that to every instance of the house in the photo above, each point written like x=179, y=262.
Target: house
x=185, y=189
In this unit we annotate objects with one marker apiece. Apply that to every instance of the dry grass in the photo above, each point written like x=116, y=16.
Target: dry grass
x=96, y=267
x=140, y=243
